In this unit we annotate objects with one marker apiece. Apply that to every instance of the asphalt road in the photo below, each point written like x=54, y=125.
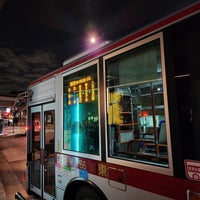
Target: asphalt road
x=13, y=165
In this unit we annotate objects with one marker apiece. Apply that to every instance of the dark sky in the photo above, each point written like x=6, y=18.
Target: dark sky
x=36, y=36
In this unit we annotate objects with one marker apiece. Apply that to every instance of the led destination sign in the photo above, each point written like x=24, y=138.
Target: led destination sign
x=81, y=90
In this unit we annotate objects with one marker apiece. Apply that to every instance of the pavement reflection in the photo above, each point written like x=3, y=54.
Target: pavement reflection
x=14, y=130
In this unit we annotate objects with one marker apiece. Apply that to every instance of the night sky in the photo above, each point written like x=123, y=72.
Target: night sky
x=36, y=36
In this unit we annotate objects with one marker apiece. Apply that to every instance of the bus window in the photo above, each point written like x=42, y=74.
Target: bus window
x=136, y=117
x=81, y=132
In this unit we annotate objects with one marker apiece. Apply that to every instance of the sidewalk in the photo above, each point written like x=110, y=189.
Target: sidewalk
x=13, y=164
x=9, y=183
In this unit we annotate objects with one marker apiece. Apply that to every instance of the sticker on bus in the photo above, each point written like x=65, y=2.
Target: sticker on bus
x=192, y=169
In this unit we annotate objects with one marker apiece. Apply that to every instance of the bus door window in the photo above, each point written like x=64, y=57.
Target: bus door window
x=35, y=164
x=49, y=134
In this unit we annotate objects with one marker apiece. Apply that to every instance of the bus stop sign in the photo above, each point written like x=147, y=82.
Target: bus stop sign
x=192, y=169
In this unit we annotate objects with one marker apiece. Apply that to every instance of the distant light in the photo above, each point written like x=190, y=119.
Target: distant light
x=26, y=128
x=92, y=40
x=158, y=89
x=8, y=110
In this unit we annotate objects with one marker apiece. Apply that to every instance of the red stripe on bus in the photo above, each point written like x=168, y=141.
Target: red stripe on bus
x=160, y=184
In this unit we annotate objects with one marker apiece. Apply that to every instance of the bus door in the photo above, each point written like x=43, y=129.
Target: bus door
x=42, y=132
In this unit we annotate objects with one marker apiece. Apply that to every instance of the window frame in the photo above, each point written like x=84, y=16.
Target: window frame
x=136, y=164
x=71, y=71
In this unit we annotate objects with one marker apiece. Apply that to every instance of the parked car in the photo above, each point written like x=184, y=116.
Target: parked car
x=1, y=126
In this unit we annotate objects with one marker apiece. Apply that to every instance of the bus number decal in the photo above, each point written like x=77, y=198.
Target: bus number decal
x=82, y=164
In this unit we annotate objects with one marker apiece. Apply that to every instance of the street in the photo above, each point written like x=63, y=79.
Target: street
x=13, y=163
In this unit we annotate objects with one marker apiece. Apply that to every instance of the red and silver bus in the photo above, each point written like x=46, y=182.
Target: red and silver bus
x=121, y=121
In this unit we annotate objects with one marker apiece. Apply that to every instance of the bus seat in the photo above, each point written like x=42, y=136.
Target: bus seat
x=123, y=150
x=162, y=138
x=134, y=146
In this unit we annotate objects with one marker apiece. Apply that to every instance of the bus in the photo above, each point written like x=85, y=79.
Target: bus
x=121, y=121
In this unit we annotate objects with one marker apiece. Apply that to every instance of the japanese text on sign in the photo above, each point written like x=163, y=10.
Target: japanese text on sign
x=81, y=91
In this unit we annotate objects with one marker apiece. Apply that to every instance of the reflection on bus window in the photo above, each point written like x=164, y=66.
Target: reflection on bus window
x=81, y=132
x=35, y=164
x=37, y=127
x=49, y=136
x=136, y=117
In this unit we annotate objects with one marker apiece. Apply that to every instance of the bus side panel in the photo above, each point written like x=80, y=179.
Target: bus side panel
x=59, y=113
x=43, y=92
x=117, y=191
